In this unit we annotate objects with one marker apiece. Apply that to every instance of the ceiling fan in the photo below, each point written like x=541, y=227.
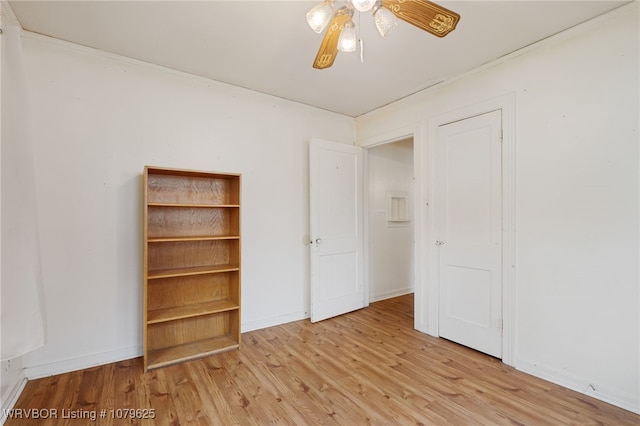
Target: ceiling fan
x=341, y=34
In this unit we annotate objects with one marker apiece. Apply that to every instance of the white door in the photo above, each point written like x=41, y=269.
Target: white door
x=469, y=199
x=337, y=243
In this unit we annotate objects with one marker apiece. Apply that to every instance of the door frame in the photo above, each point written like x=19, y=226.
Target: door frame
x=506, y=104
x=424, y=134
x=367, y=203
x=417, y=132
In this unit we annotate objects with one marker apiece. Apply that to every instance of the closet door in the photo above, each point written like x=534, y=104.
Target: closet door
x=469, y=199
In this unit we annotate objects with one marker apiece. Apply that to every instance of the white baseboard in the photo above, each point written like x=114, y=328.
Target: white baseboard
x=92, y=360
x=12, y=396
x=273, y=321
x=582, y=385
x=389, y=294
x=80, y=363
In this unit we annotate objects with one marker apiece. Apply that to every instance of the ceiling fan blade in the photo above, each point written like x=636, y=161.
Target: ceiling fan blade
x=425, y=15
x=329, y=46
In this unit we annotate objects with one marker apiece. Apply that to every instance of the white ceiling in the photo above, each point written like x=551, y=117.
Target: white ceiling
x=268, y=47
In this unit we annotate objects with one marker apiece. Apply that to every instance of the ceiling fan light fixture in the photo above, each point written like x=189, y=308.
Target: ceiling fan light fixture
x=363, y=5
x=348, y=39
x=385, y=19
x=319, y=16
x=340, y=35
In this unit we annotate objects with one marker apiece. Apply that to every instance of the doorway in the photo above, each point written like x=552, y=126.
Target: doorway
x=389, y=192
x=361, y=236
x=427, y=285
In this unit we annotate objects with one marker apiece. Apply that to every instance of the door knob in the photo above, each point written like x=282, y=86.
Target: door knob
x=318, y=241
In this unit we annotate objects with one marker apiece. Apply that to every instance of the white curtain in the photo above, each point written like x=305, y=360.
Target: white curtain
x=21, y=296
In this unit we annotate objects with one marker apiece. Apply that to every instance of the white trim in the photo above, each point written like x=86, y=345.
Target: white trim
x=506, y=104
x=580, y=384
x=420, y=215
x=12, y=397
x=509, y=278
x=79, y=363
x=430, y=293
x=394, y=135
x=391, y=294
x=273, y=321
x=366, y=253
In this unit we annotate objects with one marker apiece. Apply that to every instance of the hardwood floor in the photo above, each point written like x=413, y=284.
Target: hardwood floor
x=366, y=367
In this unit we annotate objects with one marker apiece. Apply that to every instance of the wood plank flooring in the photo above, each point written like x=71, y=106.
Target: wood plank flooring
x=366, y=367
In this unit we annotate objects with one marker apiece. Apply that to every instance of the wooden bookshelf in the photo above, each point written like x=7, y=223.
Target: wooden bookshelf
x=191, y=264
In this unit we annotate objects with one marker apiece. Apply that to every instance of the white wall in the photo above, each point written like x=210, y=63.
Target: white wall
x=98, y=119
x=390, y=169
x=577, y=304
x=12, y=379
